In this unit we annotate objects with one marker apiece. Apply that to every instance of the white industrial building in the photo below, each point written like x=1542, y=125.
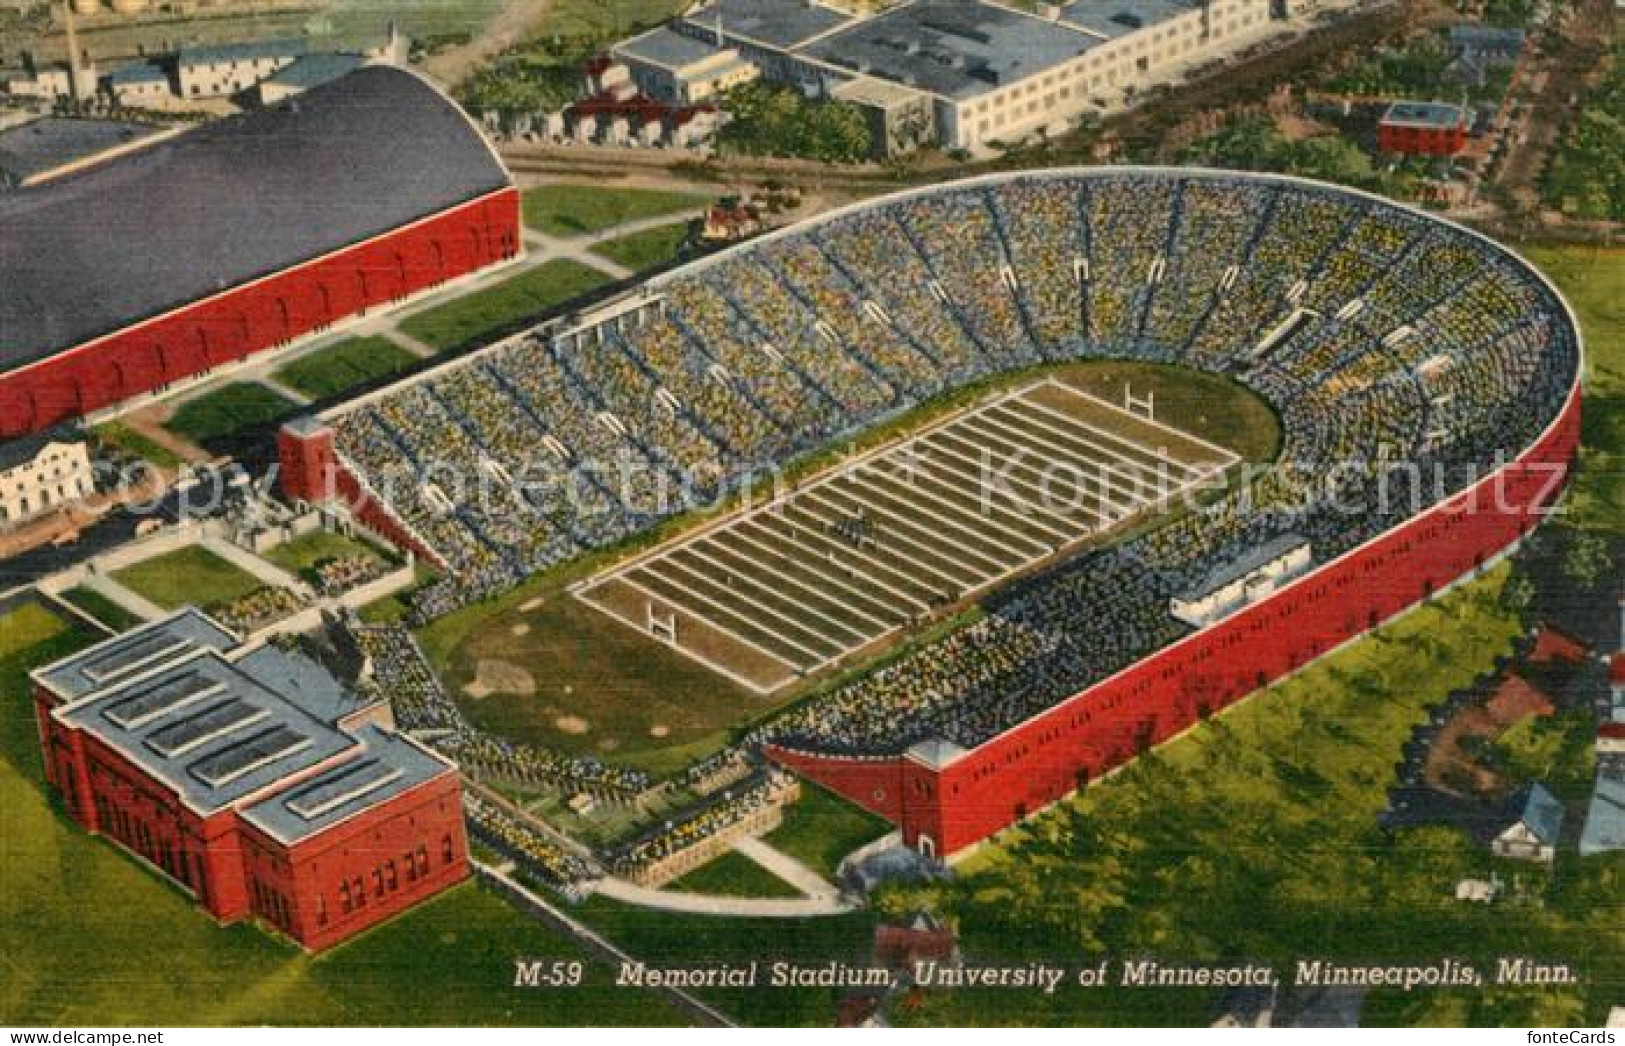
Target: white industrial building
x=973, y=72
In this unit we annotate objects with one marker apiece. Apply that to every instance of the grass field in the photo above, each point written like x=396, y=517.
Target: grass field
x=118, y=434
x=228, y=410
x=624, y=685
x=1593, y=280
x=500, y=308
x=820, y=828
x=79, y=922
x=575, y=210
x=647, y=249
x=672, y=938
x=301, y=555
x=101, y=608
x=189, y=575
x=733, y=875
x=337, y=368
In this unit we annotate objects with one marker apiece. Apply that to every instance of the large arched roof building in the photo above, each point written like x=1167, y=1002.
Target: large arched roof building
x=240, y=235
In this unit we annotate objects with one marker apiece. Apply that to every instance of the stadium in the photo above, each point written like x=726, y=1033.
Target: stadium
x=237, y=237
x=1423, y=380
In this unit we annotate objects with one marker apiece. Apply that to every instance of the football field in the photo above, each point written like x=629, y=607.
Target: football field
x=783, y=590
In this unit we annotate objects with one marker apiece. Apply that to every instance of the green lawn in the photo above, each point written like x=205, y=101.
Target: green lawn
x=337, y=368
x=575, y=210
x=733, y=875
x=1593, y=280
x=820, y=828
x=228, y=410
x=502, y=307
x=301, y=555
x=1254, y=836
x=93, y=938
x=1558, y=750
x=647, y=249
x=101, y=608
x=676, y=939
x=27, y=626
x=190, y=575
x=117, y=434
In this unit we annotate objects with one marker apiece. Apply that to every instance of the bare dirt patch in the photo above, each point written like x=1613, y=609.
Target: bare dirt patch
x=571, y=724
x=503, y=677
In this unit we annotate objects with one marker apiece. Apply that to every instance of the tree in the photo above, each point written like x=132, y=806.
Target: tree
x=1586, y=560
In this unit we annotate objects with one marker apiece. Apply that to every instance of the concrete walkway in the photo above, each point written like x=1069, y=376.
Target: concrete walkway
x=386, y=321
x=744, y=907
x=573, y=250
x=135, y=603
x=265, y=570
x=787, y=868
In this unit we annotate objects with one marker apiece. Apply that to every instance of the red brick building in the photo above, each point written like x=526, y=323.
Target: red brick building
x=1423, y=129
x=239, y=236
x=251, y=778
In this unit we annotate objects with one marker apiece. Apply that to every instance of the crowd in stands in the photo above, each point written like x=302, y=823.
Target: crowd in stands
x=342, y=573
x=714, y=815
x=1413, y=343
x=252, y=612
x=534, y=854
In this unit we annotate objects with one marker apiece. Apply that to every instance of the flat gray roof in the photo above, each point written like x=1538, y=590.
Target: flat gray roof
x=209, y=729
x=141, y=647
x=218, y=723
x=951, y=47
x=52, y=141
x=785, y=24
x=1424, y=114
x=384, y=766
x=96, y=251
x=1234, y=570
x=667, y=48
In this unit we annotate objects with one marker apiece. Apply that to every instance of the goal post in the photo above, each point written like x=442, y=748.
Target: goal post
x=662, y=623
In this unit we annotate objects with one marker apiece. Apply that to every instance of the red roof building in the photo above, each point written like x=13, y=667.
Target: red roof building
x=1423, y=129
x=924, y=939
x=1554, y=645
x=250, y=778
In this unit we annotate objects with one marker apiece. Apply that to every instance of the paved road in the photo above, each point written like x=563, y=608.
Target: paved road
x=745, y=907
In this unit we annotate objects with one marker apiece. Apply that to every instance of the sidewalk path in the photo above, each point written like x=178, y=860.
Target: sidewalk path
x=135, y=603
x=787, y=868
x=695, y=904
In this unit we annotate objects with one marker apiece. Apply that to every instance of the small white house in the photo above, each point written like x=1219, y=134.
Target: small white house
x=1535, y=829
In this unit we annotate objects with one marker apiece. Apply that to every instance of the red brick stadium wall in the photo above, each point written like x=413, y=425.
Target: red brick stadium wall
x=309, y=469
x=1052, y=754
x=259, y=315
